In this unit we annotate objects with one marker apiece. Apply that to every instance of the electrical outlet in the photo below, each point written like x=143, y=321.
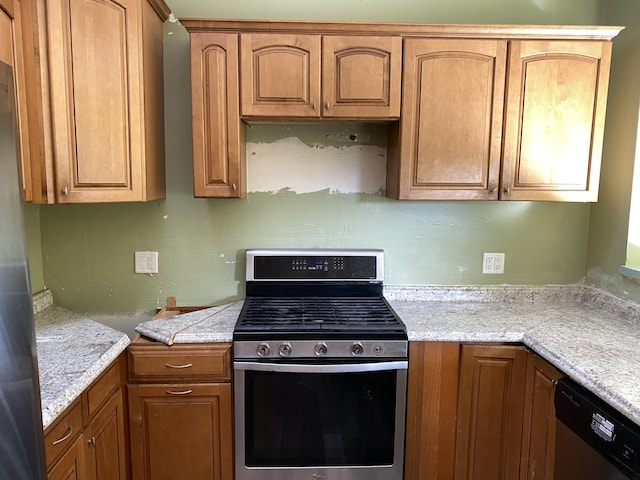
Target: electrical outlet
x=493, y=263
x=146, y=262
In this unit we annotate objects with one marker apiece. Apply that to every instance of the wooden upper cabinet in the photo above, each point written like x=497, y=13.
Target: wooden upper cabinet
x=15, y=39
x=555, y=111
x=218, y=134
x=313, y=76
x=451, y=127
x=280, y=75
x=103, y=80
x=475, y=112
x=361, y=76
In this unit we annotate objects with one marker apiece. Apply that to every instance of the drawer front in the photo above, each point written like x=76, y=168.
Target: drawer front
x=161, y=363
x=61, y=435
x=101, y=389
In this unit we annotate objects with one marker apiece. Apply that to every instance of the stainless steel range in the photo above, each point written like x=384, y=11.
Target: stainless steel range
x=320, y=369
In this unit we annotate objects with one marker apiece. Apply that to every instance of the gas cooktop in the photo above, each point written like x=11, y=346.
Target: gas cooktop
x=316, y=294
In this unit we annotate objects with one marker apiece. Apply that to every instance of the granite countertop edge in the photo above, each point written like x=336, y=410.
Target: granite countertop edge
x=562, y=324
x=73, y=351
x=579, y=329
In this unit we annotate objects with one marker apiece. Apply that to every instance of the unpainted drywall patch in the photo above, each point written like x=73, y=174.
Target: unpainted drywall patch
x=291, y=164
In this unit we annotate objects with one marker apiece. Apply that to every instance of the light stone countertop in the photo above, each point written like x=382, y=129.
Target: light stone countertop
x=72, y=351
x=590, y=335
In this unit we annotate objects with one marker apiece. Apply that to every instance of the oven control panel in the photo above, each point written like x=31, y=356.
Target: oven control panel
x=314, y=265
x=282, y=349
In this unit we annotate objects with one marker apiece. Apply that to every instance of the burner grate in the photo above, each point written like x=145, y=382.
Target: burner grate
x=317, y=313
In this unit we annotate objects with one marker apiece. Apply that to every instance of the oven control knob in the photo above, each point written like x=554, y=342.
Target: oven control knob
x=357, y=349
x=320, y=349
x=263, y=349
x=284, y=350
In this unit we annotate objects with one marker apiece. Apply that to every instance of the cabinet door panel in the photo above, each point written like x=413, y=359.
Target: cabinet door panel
x=280, y=75
x=72, y=465
x=181, y=431
x=361, y=76
x=490, y=409
x=94, y=82
x=431, y=410
x=539, y=423
x=555, y=119
x=451, y=119
x=218, y=136
x=106, y=448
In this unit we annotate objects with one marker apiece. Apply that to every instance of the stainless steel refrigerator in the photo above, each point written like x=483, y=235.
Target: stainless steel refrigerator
x=21, y=436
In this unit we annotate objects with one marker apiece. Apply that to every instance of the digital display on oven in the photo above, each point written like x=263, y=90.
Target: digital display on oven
x=315, y=267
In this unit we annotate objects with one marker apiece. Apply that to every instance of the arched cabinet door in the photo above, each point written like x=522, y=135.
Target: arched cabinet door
x=451, y=124
x=218, y=134
x=106, y=97
x=554, y=122
x=361, y=76
x=320, y=76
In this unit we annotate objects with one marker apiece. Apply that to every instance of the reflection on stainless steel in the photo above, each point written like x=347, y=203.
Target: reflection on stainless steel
x=21, y=439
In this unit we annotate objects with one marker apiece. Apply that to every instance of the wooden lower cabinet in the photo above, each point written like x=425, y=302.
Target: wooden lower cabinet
x=72, y=465
x=106, y=453
x=181, y=431
x=538, y=443
x=180, y=411
x=432, y=399
x=90, y=441
x=479, y=411
x=490, y=409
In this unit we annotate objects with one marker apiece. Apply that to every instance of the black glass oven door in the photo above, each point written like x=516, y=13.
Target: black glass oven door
x=330, y=419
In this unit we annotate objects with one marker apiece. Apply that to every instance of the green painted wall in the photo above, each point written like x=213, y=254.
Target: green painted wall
x=610, y=216
x=34, y=246
x=87, y=250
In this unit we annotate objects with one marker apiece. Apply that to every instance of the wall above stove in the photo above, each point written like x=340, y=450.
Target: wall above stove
x=87, y=250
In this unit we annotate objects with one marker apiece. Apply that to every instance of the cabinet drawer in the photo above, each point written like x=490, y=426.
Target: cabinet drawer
x=161, y=363
x=62, y=434
x=102, y=388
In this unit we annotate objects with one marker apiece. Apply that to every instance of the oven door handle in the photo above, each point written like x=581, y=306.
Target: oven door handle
x=322, y=368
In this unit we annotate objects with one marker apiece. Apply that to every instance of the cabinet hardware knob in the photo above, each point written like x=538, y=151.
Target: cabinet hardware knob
x=186, y=365
x=65, y=191
x=92, y=441
x=182, y=392
x=313, y=105
x=327, y=106
x=506, y=190
x=493, y=189
x=234, y=186
x=66, y=435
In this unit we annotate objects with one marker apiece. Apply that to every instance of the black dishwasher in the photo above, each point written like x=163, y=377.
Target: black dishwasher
x=593, y=440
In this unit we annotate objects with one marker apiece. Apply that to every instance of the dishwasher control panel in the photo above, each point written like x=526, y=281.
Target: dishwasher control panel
x=601, y=426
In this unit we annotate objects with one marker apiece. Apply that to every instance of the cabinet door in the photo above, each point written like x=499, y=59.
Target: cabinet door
x=361, y=76
x=490, y=409
x=451, y=125
x=554, y=125
x=95, y=62
x=181, y=431
x=105, y=440
x=15, y=40
x=218, y=135
x=280, y=75
x=432, y=397
x=539, y=424
x=72, y=464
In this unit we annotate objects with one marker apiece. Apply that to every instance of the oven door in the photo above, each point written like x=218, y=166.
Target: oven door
x=320, y=421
